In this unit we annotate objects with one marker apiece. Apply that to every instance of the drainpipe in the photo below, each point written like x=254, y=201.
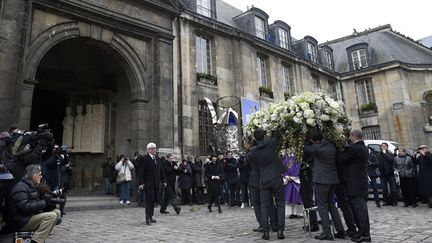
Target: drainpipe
x=180, y=87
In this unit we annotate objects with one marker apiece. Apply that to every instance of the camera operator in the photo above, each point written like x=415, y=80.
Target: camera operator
x=26, y=208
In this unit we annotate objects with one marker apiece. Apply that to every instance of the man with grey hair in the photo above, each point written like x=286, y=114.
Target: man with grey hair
x=25, y=207
x=355, y=160
x=150, y=173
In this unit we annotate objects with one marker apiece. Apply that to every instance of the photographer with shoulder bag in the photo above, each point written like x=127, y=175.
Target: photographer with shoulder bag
x=124, y=177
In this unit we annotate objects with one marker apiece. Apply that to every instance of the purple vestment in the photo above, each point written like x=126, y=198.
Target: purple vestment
x=292, y=189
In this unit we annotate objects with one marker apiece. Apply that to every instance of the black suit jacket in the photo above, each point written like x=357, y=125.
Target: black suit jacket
x=355, y=159
x=270, y=165
x=151, y=172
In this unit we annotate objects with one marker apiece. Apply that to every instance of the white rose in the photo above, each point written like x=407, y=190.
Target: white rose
x=297, y=120
x=309, y=114
x=324, y=117
x=311, y=122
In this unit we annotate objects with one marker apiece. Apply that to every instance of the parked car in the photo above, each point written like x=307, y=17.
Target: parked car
x=375, y=146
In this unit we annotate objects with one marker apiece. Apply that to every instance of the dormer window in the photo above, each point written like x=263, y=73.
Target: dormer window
x=204, y=7
x=359, y=59
x=311, y=52
x=328, y=59
x=283, y=38
x=359, y=56
x=260, y=28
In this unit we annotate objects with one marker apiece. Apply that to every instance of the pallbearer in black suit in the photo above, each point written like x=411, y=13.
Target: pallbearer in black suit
x=213, y=172
x=271, y=183
x=355, y=158
x=151, y=173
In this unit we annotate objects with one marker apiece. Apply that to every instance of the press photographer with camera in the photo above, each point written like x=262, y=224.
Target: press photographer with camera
x=26, y=207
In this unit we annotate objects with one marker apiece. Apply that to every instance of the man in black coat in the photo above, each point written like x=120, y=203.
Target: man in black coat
x=271, y=182
x=387, y=165
x=25, y=207
x=355, y=159
x=324, y=175
x=232, y=178
x=171, y=170
x=151, y=173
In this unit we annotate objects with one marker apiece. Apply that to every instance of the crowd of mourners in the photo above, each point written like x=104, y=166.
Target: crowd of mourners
x=279, y=187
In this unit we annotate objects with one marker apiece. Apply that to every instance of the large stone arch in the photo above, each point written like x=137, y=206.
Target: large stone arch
x=134, y=68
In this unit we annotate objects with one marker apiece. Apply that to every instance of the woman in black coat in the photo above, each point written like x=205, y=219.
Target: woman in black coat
x=213, y=173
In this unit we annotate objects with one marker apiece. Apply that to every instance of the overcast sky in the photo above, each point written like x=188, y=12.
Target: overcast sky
x=332, y=19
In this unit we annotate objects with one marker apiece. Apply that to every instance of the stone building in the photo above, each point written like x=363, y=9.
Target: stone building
x=228, y=54
x=387, y=84
x=110, y=76
x=110, y=62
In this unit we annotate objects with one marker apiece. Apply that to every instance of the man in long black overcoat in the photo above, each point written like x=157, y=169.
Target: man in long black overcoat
x=151, y=173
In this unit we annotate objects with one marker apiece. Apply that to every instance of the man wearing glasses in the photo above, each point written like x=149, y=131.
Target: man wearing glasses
x=25, y=207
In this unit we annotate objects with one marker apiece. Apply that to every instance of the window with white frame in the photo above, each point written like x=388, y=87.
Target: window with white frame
x=311, y=52
x=203, y=55
x=260, y=28
x=371, y=133
x=287, y=79
x=262, y=71
x=204, y=7
x=358, y=58
x=283, y=38
x=365, y=92
x=328, y=59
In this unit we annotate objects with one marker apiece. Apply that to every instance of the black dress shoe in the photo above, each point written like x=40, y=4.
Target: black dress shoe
x=292, y=216
x=164, y=212
x=259, y=229
x=152, y=220
x=209, y=208
x=177, y=210
x=266, y=235
x=280, y=234
x=323, y=237
x=148, y=221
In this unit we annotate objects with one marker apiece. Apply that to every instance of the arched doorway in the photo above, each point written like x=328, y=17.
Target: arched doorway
x=84, y=74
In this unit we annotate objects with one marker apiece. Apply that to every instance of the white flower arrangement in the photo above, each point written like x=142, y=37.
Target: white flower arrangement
x=302, y=113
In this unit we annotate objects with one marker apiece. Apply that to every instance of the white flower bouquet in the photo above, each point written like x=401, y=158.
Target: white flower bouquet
x=296, y=117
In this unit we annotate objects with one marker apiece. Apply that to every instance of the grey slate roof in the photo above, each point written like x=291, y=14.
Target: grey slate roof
x=225, y=13
x=384, y=46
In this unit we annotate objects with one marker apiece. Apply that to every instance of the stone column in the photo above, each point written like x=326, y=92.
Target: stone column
x=140, y=124
x=13, y=26
x=163, y=98
x=26, y=103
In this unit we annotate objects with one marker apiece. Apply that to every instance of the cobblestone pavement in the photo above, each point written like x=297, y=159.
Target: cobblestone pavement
x=196, y=224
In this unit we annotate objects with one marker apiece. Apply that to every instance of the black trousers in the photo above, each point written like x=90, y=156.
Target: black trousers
x=256, y=202
x=255, y=195
x=169, y=198
x=408, y=186
x=273, y=194
x=360, y=210
x=343, y=203
x=324, y=198
x=233, y=193
x=391, y=181
x=244, y=193
x=151, y=195
x=186, y=196
x=306, y=191
x=199, y=195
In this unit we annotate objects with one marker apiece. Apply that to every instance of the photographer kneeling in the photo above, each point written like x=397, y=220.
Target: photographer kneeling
x=27, y=211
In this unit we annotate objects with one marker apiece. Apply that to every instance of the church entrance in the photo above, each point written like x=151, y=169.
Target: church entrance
x=83, y=93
